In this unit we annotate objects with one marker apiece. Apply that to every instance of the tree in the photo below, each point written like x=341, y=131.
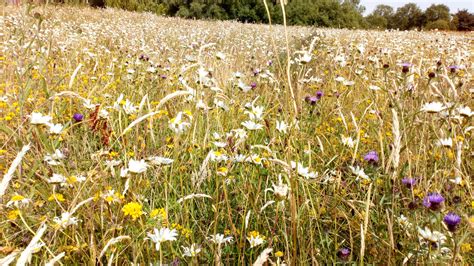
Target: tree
x=376, y=22
x=408, y=17
x=465, y=20
x=437, y=12
x=439, y=24
x=381, y=17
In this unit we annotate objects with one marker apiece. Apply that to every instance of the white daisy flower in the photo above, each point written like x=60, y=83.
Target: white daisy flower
x=162, y=235
x=282, y=127
x=220, y=239
x=433, y=107
x=157, y=160
x=137, y=167
x=40, y=119
x=250, y=125
x=359, y=172
x=65, y=220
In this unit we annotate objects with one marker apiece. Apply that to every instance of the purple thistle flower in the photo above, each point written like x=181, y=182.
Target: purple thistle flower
x=344, y=253
x=405, y=67
x=319, y=94
x=253, y=85
x=270, y=62
x=311, y=99
x=433, y=201
x=409, y=182
x=452, y=220
x=371, y=157
x=453, y=68
x=78, y=117
x=163, y=76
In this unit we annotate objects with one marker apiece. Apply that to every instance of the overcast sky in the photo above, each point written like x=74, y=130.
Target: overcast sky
x=453, y=5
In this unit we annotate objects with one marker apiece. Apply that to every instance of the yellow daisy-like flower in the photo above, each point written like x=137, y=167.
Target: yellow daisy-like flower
x=12, y=215
x=56, y=196
x=133, y=209
x=158, y=213
x=186, y=232
x=222, y=171
x=466, y=248
x=71, y=180
x=279, y=254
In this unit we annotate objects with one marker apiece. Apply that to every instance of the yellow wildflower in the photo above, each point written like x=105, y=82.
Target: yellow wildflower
x=158, y=213
x=466, y=248
x=12, y=215
x=133, y=209
x=56, y=196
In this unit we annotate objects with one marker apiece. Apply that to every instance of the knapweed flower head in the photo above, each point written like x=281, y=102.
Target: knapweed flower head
x=344, y=253
x=452, y=221
x=319, y=94
x=78, y=117
x=409, y=182
x=132, y=209
x=371, y=157
x=454, y=68
x=433, y=201
x=405, y=67
x=311, y=99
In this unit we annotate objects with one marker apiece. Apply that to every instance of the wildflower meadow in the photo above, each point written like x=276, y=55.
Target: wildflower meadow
x=133, y=139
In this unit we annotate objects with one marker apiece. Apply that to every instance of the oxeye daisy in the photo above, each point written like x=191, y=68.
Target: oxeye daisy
x=162, y=235
x=18, y=201
x=40, y=119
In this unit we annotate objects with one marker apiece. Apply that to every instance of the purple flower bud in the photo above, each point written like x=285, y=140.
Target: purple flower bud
x=453, y=68
x=344, y=253
x=311, y=99
x=405, y=67
x=433, y=201
x=371, y=157
x=452, y=220
x=319, y=94
x=253, y=85
x=409, y=182
x=78, y=117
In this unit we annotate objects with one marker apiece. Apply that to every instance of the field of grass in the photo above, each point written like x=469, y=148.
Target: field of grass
x=131, y=138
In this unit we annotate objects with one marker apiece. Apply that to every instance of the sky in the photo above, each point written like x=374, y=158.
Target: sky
x=453, y=5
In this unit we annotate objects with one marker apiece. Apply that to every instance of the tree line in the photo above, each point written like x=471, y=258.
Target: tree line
x=320, y=13
x=410, y=16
